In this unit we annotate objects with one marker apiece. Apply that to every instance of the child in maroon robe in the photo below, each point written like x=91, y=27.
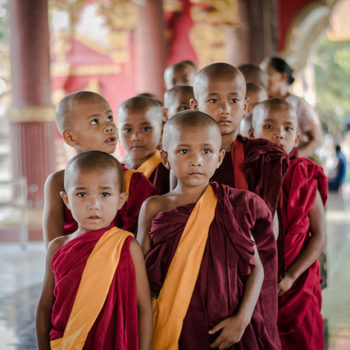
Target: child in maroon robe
x=81, y=307
x=302, y=230
x=140, y=121
x=255, y=165
x=85, y=121
x=222, y=311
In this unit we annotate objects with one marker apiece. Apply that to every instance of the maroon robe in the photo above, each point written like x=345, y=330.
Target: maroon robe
x=299, y=319
x=161, y=178
x=227, y=262
x=127, y=215
x=116, y=327
x=263, y=168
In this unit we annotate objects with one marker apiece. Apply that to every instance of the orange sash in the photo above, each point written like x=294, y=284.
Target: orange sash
x=170, y=308
x=89, y=300
x=148, y=167
x=237, y=154
x=127, y=175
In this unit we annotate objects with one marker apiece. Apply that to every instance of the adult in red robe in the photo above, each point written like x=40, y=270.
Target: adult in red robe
x=299, y=318
x=226, y=263
x=261, y=163
x=127, y=215
x=161, y=179
x=117, y=324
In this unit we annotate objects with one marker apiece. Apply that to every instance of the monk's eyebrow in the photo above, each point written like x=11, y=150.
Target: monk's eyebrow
x=80, y=188
x=107, y=187
x=99, y=114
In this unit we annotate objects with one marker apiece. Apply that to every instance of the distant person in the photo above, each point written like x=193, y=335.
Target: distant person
x=95, y=293
x=181, y=73
x=336, y=178
x=178, y=99
x=280, y=77
x=253, y=74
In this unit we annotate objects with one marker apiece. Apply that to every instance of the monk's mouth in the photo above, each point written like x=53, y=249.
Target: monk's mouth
x=111, y=140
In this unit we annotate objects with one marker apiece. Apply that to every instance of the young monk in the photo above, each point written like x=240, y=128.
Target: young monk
x=255, y=165
x=254, y=74
x=178, y=99
x=201, y=254
x=302, y=230
x=85, y=121
x=139, y=127
x=80, y=307
x=254, y=94
x=181, y=73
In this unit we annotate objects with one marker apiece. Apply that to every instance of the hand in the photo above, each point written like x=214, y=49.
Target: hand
x=232, y=331
x=285, y=284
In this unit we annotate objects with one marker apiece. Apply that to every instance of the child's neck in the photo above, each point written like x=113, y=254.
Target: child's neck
x=188, y=194
x=134, y=163
x=227, y=141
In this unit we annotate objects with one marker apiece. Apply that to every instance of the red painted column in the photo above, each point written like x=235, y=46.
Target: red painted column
x=150, y=48
x=31, y=115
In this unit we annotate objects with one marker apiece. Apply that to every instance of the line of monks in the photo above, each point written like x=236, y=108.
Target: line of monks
x=206, y=235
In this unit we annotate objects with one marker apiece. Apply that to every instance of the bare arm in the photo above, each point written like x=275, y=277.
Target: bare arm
x=46, y=301
x=234, y=327
x=53, y=218
x=150, y=208
x=144, y=306
x=315, y=140
x=313, y=248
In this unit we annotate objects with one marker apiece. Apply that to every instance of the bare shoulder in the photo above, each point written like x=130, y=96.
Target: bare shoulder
x=155, y=204
x=56, y=244
x=55, y=180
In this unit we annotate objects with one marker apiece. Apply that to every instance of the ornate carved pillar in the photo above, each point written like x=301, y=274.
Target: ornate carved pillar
x=150, y=48
x=31, y=115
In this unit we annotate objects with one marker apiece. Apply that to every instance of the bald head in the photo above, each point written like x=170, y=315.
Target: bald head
x=141, y=104
x=90, y=161
x=273, y=104
x=65, y=108
x=254, y=74
x=181, y=73
x=217, y=71
x=190, y=119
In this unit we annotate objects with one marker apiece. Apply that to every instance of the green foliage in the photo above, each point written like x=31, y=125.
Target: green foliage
x=4, y=22
x=332, y=77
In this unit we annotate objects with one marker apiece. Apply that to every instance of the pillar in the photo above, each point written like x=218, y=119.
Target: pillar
x=31, y=116
x=150, y=48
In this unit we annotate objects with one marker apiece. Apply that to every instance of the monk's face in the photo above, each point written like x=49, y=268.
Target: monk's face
x=139, y=133
x=224, y=100
x=193, y=153
x=183, y=75
x=91, y=127
x=180, y=102
x=278, y=125
x=93, y=197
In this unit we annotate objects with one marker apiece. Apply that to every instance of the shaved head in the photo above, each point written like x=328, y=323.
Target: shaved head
x=90, y=161
x=254, y=74
x=141, y=104
x=264, y=107
x=216, y=71
x=65, y=108
x=190, y=119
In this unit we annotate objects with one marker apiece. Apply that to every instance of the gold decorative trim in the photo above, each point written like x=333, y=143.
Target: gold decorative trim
x=31, y=114
x=64, y=70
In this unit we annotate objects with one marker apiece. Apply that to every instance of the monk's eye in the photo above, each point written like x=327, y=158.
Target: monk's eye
x=110, y=118
x=183, y=151
x=268, y=126
x=146, y=128
x=182, y=108
x=289, y=128
x=207, y=151
x=94, y=122
x=126, y=130
x=213, y=100
x=81, y=194
x=105, y=194
x=234, y=100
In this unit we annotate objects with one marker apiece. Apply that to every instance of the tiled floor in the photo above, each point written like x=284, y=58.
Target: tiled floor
x=21, y=274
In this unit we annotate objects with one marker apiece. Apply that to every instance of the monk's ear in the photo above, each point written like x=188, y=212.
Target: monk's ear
x=193, y=103
x=221, y=157
x=251, y=133
x=297, y=139
x=165, y=114
x=245, y=106
x=164, y=158
x=69, y=138
x=64, y=196
x=122, y=199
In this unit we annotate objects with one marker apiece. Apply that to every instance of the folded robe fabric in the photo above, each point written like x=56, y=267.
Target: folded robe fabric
x=127, y=216
x=227, y=262
x=263, y=165
x=116, y=326
x=299, y=319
